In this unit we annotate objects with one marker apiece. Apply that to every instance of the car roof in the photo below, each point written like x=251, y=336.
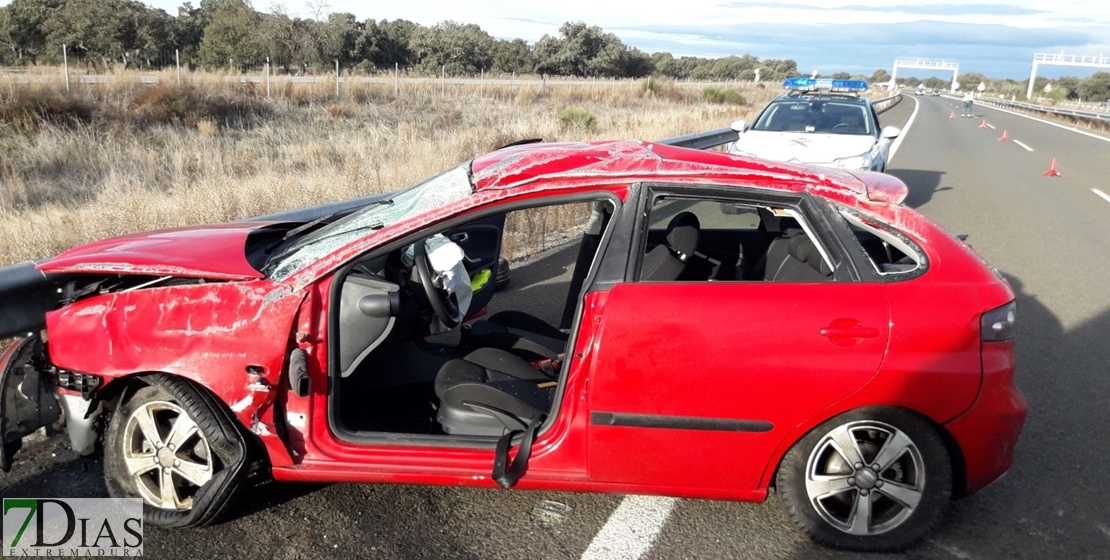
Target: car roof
x=599, y=163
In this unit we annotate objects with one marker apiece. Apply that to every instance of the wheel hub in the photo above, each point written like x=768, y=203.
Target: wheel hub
x=165, y=457
x=866, y=478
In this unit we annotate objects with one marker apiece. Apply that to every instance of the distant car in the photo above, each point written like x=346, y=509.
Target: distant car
x=705, y=355
x=819, y=122
x=935, y=92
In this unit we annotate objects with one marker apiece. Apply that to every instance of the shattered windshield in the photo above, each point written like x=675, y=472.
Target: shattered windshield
x=435, y=192
x=826, y=116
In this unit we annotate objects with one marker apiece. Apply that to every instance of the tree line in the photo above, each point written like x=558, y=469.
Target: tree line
x=231, y=34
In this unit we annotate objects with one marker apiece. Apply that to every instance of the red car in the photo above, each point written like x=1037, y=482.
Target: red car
x=719, y=326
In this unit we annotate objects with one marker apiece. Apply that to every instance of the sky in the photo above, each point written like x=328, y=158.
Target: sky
x=858, y=36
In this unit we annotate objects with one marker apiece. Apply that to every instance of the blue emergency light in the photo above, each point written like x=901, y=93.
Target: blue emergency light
x=824, y=84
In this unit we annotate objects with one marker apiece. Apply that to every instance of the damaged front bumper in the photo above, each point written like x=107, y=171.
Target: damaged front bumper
x=34, y=394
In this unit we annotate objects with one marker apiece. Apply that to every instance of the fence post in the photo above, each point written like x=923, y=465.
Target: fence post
x=177, y=62
x=65, y=63
x=396, y=81
x=337, y=78
x=267, y=77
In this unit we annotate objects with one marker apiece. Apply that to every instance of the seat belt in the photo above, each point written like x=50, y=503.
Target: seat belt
x=507, y=474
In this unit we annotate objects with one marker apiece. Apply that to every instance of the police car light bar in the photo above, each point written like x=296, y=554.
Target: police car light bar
x=824, y=84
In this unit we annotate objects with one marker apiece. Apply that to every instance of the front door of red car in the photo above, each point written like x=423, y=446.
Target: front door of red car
x=697, y=383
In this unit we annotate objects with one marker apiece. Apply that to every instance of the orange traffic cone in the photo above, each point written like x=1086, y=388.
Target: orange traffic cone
x=983, y=124
x=952, y=115
x=1005, y=136
x=1052, y=172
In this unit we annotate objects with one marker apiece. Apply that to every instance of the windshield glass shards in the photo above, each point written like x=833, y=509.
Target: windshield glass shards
x=443, y=189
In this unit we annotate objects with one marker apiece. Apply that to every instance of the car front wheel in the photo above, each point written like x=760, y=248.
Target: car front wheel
x=179, y=449
x=869, y=480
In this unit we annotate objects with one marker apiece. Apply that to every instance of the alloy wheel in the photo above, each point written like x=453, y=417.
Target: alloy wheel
x=865, y=478
x=166, y=455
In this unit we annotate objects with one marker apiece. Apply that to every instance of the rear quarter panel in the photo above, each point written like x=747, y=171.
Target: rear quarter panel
x=933, y=364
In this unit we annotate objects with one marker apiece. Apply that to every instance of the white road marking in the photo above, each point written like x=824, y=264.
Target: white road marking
x=631, y=529
x=990, y=126
x=1020, y=143
x=1057, y=125
x=1104, y=196
x=905, y=129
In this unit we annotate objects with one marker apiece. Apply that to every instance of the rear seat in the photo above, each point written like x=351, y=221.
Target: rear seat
x=800, y=262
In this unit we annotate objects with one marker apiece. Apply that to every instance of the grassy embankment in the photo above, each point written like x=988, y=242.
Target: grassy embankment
x=114, y=158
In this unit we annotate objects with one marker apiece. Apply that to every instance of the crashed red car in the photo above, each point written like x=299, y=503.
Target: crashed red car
x=723, y=326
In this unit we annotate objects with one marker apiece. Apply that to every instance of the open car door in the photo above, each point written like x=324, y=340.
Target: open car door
x=27, y=395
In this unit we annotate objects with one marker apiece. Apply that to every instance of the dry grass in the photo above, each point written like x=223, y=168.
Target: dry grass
x=145, y=164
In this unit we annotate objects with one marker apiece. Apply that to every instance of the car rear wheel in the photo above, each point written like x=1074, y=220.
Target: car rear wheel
x=869, y=480
x=179, y=449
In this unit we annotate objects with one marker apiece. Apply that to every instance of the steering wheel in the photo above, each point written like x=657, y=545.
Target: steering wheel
x=841, y=125
x=444, y=306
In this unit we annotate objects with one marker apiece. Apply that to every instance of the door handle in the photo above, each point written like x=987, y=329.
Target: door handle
x=460, y=238
x=848, y=328
x=850, y=332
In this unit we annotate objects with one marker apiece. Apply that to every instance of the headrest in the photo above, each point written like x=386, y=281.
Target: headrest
x=803, y=249
x=682, y=234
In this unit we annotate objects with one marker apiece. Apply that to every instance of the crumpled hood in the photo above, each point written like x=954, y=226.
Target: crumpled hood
x=214, y=251
x=802, y=147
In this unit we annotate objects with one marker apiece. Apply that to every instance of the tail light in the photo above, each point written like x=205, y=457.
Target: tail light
x=997, y=325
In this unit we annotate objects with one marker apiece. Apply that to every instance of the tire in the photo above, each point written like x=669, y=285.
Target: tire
x=827, y=509
x=206, y=467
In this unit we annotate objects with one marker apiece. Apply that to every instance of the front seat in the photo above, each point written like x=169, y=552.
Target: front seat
x=666, y=261
x=489, y=391
x=531, y=338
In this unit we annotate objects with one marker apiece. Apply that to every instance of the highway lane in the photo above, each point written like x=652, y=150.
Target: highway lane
x=1048, y=235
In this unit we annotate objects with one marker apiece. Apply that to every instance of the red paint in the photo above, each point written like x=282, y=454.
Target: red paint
x=213, y=251
x=988, y=432
x=793, y=355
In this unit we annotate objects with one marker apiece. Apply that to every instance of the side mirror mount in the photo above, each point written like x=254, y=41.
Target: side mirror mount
x=891, y=132
x=740, y=126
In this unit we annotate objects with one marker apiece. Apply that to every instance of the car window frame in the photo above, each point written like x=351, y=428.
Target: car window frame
x=814, y=211
x=517, y=202
x=858, y=253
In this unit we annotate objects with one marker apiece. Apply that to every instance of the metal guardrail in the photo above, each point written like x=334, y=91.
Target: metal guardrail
x=893, y=100
x=1084, y=115
x=703, y=140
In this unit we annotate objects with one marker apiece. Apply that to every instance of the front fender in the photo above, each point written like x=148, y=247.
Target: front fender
x=231, y=338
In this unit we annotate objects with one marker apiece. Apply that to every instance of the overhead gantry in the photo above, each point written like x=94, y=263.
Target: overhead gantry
x=1062, y=59
x=926, y=64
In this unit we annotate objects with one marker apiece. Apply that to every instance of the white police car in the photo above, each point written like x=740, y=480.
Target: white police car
x=819, y=122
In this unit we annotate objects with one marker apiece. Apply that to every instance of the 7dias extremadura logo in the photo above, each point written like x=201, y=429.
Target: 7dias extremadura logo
x=47, y=527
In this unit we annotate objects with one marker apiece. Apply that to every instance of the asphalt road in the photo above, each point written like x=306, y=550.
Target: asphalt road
x=1049, y=235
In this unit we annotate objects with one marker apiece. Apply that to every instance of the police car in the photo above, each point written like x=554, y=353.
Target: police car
x=818, y=122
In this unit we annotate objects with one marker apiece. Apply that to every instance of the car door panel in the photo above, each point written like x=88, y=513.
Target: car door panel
x=689, y=372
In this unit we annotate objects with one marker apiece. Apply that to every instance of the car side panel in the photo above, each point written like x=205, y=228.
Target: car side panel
x=934, y=365
x=209, y=333
x=724, y=370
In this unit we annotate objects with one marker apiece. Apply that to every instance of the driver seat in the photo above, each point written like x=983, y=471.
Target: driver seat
x=531, y=338
x=489, y=391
